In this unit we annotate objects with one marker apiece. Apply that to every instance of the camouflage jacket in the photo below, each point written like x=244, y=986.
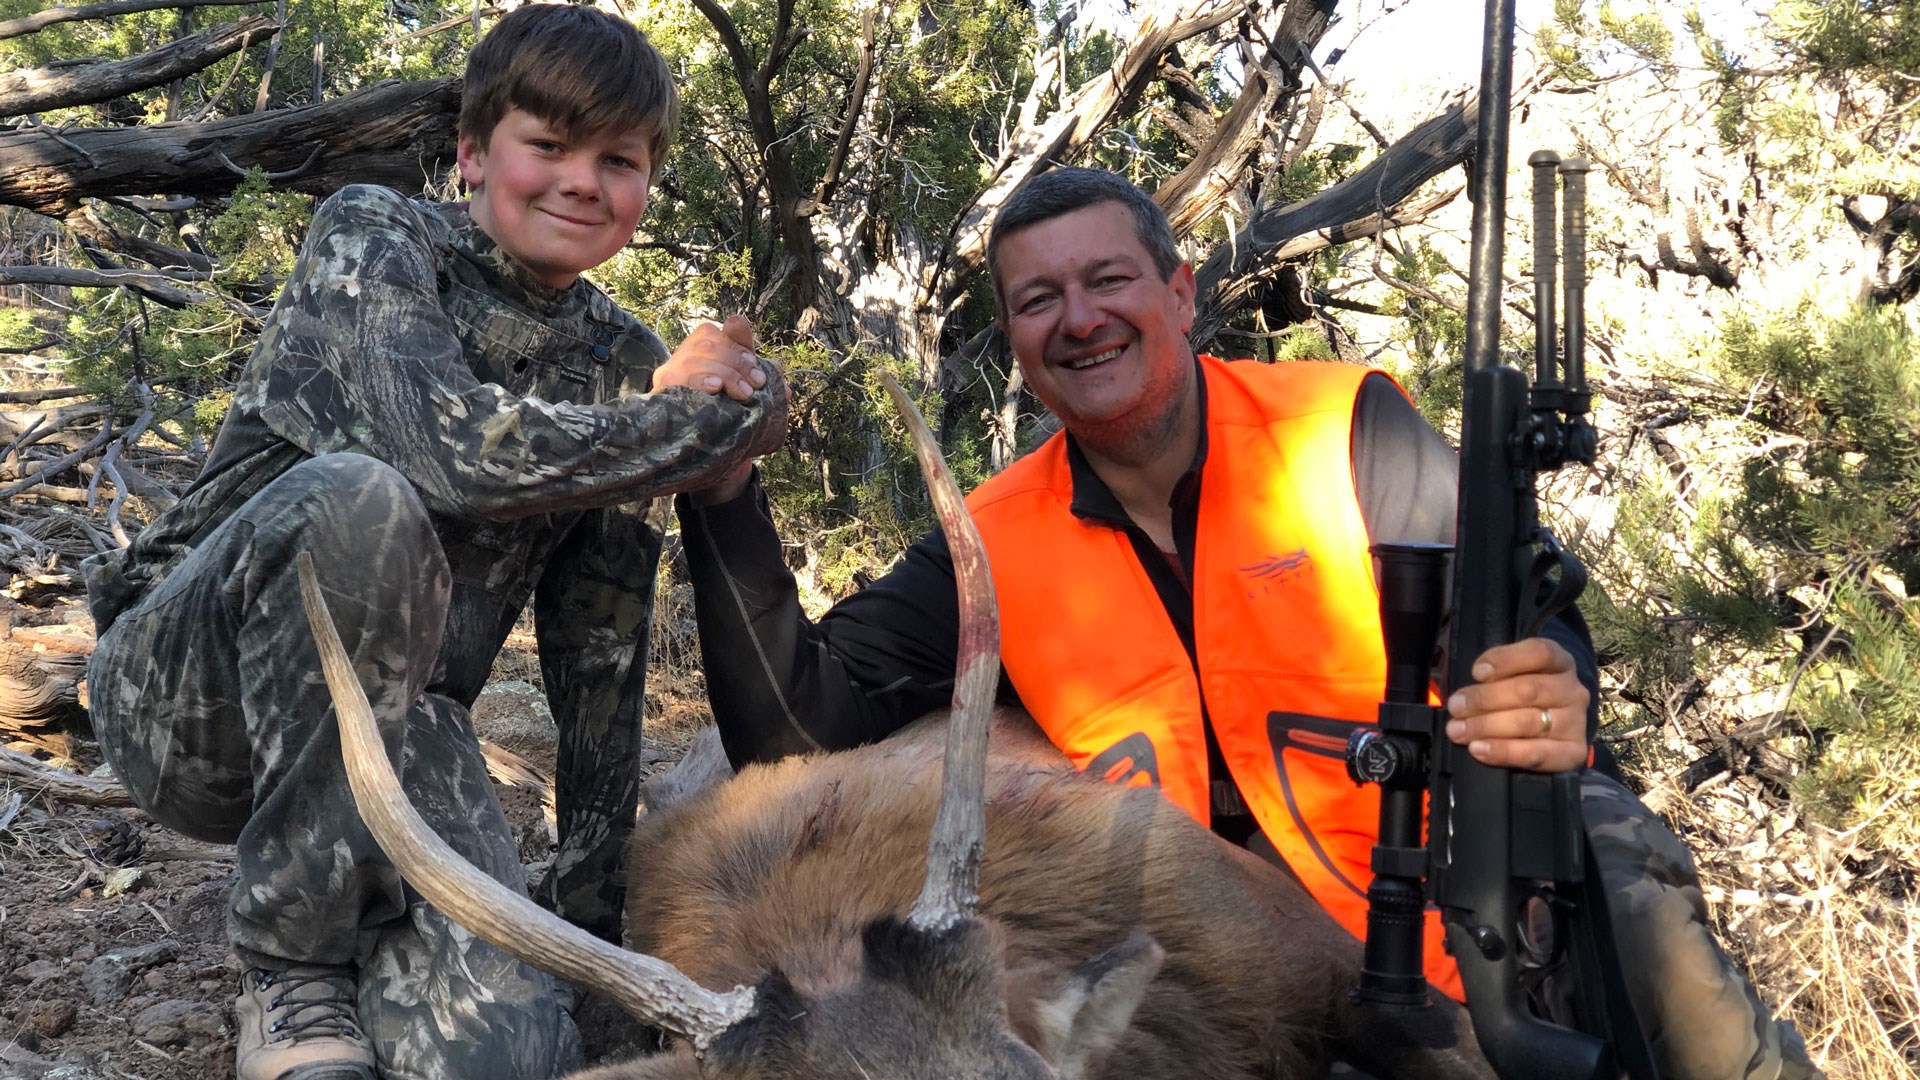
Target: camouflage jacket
x=516, y=410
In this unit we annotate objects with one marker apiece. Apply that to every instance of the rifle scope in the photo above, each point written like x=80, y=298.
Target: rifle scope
x=1413, y=601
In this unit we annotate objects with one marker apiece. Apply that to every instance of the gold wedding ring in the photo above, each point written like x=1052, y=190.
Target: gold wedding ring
x=1546, y=722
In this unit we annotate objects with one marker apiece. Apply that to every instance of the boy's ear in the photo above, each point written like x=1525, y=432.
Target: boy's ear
x=471, y=154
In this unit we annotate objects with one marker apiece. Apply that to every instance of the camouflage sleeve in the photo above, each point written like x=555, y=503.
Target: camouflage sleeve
x=592, y=614
x=367, y=360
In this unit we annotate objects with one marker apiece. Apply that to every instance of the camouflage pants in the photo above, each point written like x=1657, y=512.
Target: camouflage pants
x=1702, y=1017
x=209, y=704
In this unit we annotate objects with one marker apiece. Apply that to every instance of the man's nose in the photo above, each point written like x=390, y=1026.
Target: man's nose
x=1080, y=316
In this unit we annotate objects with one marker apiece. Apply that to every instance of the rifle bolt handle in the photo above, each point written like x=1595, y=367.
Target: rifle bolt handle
x=1489, y=942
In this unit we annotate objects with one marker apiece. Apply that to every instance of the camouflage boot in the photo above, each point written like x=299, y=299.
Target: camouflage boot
x=299, y=1024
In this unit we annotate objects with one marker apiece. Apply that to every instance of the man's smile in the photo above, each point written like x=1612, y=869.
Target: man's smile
x=1085, y=362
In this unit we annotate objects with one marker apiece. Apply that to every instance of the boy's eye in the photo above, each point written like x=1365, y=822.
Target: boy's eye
x=618, y=162
x=545, y=146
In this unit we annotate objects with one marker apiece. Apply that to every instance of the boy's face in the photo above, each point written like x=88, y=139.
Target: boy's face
x=558, y=205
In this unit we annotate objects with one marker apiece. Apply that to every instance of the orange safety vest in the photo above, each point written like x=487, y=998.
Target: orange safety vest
x=1285, y=617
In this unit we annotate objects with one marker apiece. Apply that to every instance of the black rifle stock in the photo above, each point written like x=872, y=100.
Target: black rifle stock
x=1502, y=854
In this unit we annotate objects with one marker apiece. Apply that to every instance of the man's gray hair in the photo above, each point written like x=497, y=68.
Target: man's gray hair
x=1062, y=191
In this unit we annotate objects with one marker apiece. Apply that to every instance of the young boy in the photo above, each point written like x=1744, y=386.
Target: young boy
x=452, y=423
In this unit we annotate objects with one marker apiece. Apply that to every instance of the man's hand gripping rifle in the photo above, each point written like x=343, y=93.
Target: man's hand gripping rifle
x=1502, y=854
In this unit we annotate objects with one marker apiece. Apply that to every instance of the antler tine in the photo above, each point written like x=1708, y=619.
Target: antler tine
x=960, y=827
x=650, y=989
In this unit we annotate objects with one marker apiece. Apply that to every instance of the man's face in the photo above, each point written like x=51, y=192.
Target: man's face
x=1101, y=338
x=558, y=205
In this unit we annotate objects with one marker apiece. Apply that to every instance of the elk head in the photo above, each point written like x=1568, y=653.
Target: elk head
x=930, y=1001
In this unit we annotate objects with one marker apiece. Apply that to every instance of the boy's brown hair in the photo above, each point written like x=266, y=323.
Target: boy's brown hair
x=583, y=71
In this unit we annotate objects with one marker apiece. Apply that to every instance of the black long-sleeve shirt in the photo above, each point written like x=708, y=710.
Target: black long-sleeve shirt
x=781, y=684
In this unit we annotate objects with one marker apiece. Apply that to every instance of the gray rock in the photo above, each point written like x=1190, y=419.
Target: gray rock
x=168, y=1023
x=704, y=766
x=146, y=956
x=107, y=981
x=39, y=970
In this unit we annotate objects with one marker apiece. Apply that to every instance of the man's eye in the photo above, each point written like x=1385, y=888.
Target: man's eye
x=1035, y=303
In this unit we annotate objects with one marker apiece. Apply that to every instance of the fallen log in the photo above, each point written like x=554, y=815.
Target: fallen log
x=35, y=775
x=393, y=133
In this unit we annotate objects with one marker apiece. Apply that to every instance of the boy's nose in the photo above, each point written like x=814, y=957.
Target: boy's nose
x=580, y=176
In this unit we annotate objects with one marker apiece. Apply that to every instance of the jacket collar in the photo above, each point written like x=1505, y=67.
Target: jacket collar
x=509, y=278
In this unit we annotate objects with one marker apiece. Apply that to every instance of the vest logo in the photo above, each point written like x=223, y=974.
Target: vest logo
x=1278, y=567
x=1127, y=762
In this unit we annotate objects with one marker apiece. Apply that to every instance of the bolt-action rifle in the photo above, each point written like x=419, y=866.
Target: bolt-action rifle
x=1502, y=854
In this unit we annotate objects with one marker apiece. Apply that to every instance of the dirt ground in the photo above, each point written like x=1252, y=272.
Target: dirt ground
x=113, y=955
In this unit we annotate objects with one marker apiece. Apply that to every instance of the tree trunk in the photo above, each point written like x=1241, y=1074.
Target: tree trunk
x=393, y=133
x=91, y=81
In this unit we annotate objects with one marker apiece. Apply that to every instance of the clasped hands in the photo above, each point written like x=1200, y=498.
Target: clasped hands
x=717, y=359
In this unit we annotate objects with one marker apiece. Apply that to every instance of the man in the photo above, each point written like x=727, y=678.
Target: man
x=453, y=423
x=1188, y=559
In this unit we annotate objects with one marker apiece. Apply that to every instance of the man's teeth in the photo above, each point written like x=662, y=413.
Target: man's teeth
x=1087, y=362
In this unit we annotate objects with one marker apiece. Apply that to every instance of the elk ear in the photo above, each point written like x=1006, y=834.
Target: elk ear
x=955, y=971
x=1075, y=1018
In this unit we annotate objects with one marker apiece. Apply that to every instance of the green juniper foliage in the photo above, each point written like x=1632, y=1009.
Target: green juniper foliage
x=1801, y=563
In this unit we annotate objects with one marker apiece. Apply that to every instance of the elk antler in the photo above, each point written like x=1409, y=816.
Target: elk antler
x=960, y=827
x=653, y=990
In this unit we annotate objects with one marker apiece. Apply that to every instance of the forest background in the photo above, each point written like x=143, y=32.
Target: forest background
x=1752, y=523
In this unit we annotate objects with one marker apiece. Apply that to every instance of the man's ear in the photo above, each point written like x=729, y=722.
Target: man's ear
x=471, y=155
x=1072, y=1019
x=1183, y=291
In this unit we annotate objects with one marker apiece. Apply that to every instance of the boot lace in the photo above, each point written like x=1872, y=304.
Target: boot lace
x=319, y=1002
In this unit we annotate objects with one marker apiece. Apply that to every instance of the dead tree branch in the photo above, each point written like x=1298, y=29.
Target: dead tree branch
x=40, y=20
x=39, y=89
x=59, y=783
x=1031, y=150
x=392, y=133
x=28, y=397
x=162, y=288
x=91, y=228
x=1239, y=272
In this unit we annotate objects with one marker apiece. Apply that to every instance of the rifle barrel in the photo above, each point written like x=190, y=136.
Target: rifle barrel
x=1489, y=188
